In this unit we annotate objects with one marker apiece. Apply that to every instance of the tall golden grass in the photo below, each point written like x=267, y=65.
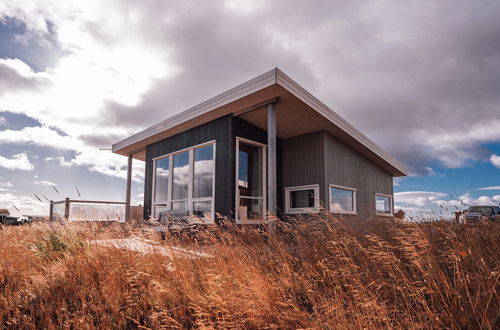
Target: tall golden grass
x=315, y=273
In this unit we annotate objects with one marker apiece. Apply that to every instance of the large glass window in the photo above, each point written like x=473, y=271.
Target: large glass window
x=302, y=199
x=383, y=204
x=161, y=179
x=203, y=176
x=183, y=182
x=181, y=176
x=342, y=199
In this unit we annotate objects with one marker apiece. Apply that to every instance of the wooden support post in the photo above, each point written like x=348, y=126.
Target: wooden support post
x=271, y=167
x=66, y=209
x=51, y=210
x=129, y=188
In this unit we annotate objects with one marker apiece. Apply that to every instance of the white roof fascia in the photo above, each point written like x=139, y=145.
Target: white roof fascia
x=265, y=80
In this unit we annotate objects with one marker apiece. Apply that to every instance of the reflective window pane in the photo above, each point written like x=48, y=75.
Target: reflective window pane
x=161, y=179
x=202, y=209
x=341, y=199
x=383, y=204
x=250, y=176
x=158, y=209
x=203, y=172
x=250, y=209
x=302, y=199
x=179, y=206
x=180, y=176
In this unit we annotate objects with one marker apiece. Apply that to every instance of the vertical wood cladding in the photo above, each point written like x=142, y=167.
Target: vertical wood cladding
x=319, y=158
x=348, y=168
x=314, y=158
x=219, y=130
x=303, y=162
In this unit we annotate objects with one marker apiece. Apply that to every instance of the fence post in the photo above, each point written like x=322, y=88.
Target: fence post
x=51, y=211
x=66, y=209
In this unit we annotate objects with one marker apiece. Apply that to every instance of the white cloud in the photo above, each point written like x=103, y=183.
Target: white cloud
x=418, y=198
x=481, y=200
x=425, y=201
x=40, y=136
x=455, y=148
x=61, y=161
x=96, y=160
x=495, y=160
x=105, y=58
x=25, y=204
x=17, y=162
x=6, y=184
x=490, y=188
x=46, y=183
x=107, y=163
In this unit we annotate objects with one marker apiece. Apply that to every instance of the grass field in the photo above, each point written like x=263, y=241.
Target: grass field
x=320, y=273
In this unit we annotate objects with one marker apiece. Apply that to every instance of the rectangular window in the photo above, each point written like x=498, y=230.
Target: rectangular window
x=383, y=204
x=161, y=179
x=181, y=176
x=184, y=182
x=342, y=199
x=203, y=176
x=302, y=199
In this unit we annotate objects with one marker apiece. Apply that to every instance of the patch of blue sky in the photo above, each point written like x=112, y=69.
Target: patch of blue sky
x=16, y=121
x=39, y=52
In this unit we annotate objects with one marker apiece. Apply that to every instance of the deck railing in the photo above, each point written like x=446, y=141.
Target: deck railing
x=87, y=210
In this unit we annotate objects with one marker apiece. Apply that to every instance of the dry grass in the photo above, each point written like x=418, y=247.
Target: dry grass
x=320, y=273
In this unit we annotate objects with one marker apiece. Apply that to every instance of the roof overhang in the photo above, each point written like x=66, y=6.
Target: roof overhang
x=297, y=112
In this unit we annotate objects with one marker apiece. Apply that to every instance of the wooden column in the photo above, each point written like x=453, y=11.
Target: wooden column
x=66, y=209
x=51, y=210
x=129, y=188
x=271, y=165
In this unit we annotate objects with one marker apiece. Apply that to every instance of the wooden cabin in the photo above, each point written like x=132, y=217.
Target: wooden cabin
x=264, y=147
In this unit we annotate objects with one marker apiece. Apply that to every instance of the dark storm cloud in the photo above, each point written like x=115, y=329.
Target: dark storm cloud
x=100, y=140
x=398, y=71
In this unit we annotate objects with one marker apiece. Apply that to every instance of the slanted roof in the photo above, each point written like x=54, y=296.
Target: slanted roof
x=297, y=112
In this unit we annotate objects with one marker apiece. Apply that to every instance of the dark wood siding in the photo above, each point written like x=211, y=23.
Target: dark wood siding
x=219, y=130
x=303, y=162
x=348, y=168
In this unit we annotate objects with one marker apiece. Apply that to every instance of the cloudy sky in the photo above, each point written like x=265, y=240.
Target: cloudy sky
x=421, y=78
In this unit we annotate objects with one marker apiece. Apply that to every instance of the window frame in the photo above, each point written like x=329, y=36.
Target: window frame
x=190, y=199
x=239, y=140
x=354, y=201
x=302, y=210
x=391, y=205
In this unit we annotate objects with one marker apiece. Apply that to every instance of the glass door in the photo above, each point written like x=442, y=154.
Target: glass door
x=250, y=181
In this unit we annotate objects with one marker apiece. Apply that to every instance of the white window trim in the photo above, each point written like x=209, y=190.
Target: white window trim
x=190, y=199
x=315, y=209
x=354, y=203
x=264, y=183
x=391, y=205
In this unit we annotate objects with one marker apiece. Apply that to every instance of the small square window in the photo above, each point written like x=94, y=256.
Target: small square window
x=342, y=199
x=303, y=199
x=383, y=204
